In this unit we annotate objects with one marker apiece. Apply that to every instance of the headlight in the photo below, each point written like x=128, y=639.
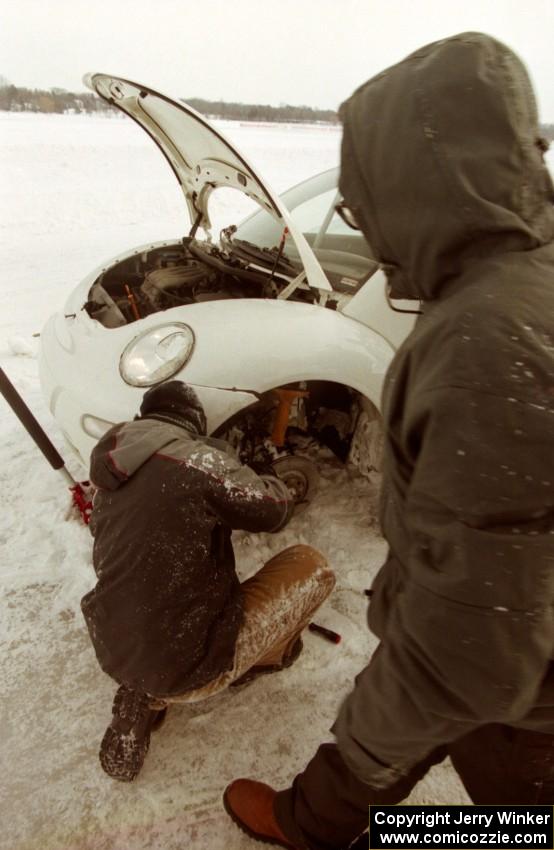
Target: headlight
x=156, y=354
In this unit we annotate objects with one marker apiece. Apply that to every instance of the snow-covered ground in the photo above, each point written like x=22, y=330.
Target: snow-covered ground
x=75, y=190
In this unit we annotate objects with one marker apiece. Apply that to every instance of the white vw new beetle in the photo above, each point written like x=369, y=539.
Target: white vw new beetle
x=282, y=326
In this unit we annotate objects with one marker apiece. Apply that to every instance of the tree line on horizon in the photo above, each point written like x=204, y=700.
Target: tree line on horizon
x=261, y=112
x=56, y=100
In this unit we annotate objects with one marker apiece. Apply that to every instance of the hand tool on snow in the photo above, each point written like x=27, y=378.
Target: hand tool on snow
x=328, y=634
x=79, y=490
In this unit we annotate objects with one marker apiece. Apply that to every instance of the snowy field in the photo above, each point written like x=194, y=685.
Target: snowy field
x=75, y=190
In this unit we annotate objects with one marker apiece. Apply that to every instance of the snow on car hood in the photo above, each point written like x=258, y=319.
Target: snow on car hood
x=201, y=158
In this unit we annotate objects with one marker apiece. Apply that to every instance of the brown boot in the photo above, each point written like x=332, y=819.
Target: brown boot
x=250, y=805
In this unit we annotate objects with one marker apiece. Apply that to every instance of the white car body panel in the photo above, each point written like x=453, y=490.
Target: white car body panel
x=371, y=307
x=296, y=342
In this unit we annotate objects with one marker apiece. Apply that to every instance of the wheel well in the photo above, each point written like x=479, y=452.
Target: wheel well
x=327, y=396
x=334, y=415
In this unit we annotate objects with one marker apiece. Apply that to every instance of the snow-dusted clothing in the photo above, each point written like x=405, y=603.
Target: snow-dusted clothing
x=465, y=604
x=442, y=167
x=278, y=602
x=167, y=608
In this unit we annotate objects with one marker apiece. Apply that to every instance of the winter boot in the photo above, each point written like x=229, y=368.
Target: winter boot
x=261, y=669
x=250, y=805
x=127, y=738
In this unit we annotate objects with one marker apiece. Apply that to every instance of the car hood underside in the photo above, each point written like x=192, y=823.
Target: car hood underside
x=201, y=158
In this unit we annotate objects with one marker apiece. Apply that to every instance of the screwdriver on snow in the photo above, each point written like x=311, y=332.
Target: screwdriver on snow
x=334, y=637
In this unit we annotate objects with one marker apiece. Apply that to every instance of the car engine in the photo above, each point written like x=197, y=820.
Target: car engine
x=173, y=276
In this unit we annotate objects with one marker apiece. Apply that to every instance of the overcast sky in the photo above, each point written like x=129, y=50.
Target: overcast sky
x=312, y=52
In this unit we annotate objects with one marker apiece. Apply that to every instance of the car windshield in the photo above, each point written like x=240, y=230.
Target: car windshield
x=312, y=208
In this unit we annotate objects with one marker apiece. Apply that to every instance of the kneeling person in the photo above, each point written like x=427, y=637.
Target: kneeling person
x=168, y=618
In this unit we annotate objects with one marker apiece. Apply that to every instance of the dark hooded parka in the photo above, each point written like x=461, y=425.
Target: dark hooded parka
x=166, y=610
x=442, y=165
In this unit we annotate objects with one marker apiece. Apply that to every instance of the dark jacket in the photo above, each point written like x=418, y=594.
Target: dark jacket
x=166, y=609
x=443, y=168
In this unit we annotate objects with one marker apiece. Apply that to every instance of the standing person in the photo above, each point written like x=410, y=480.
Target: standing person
x=168, y=618
x=443, y=171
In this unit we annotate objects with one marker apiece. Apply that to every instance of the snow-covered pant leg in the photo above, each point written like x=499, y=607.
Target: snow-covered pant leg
x=279, y=601
x=501, y=765
x=327, y=806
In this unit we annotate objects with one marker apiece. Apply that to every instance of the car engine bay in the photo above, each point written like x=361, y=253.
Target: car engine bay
x=175, y=275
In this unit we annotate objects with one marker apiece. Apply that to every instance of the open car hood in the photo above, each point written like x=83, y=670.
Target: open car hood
x=201, y=158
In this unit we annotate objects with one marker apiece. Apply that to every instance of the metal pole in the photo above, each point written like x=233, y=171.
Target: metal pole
x=32, y=427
